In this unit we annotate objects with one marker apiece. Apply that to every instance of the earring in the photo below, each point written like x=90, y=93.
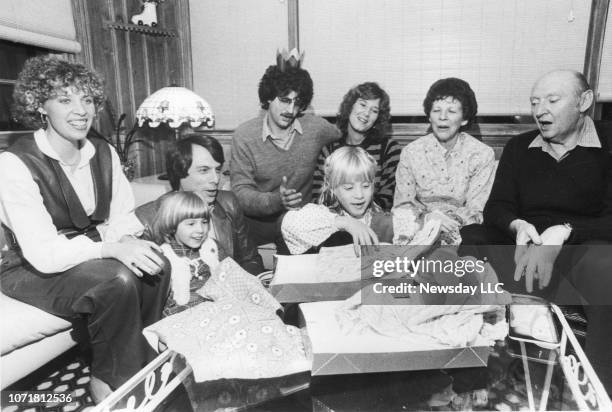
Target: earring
x=43, y=118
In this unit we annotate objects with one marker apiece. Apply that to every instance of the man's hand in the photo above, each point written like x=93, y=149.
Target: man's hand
x=447, y=224
x=556, y=235
x=362, y=234
x=290, y=198
x=526, y=233
x=536, y=264
x=138, y=255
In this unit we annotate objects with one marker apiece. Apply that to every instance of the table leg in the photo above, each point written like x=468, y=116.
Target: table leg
x=527, y=376
x=549, y=370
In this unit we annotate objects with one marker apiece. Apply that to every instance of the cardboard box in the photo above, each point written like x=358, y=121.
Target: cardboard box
x=333, y=274
x=333, y=352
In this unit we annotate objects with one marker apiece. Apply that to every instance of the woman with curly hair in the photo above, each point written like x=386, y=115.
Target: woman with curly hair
x=67, y=209
x=363, y=120
x=447, y=174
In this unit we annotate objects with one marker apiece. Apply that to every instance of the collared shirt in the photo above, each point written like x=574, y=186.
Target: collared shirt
x=587, y=137
x=455, y=182
x=23, y=211
x=282, y=142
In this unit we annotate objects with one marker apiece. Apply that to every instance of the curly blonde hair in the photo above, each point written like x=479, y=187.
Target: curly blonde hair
x=43, y=78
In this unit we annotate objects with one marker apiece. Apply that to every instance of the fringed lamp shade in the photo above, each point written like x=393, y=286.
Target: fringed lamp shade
x=175, y=106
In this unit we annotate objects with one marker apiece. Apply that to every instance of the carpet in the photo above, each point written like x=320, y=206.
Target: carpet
x=68, y=374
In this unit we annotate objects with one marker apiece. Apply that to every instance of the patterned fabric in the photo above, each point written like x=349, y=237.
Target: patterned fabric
x=191, y=269
x=455, y=182
x=229, y=282
x=184, y=251
x=238, y=335
x=311, y=225
x=172, y=307
x=197, y=267
x=384, y=183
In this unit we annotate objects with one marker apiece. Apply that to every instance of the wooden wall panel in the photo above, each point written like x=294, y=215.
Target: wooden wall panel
x=135, y=63
x=102, y=56
x=172, y=51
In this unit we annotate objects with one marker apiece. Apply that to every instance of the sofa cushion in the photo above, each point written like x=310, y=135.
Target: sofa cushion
x=22, y=324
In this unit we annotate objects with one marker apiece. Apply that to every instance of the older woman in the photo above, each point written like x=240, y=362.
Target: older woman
x=363, y=119
x=447, y=174
x=68, y=209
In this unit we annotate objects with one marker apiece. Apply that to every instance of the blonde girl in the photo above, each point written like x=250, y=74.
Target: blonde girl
x=346, y=212
x=181, y=228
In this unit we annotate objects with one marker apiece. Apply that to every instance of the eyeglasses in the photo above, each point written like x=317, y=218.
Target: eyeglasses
x=286, y=101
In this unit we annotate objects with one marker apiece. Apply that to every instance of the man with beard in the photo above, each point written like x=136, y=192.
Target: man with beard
x=274, y=155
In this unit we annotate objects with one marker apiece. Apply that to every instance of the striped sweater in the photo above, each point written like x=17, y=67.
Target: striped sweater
x=384, y=185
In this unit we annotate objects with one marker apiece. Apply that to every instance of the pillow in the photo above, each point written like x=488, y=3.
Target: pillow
x=22, y=324
x=232, y=338
x=230, y=281
x=238, y=335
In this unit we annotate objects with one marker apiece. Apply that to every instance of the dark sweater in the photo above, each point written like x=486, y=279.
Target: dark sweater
x=533, y=186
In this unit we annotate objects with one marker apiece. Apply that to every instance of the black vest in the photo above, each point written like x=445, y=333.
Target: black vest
x=59, y=198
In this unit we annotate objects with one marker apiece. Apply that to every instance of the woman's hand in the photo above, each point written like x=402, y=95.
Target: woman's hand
x=362, y=234
x=138, y=255
x=447, y=224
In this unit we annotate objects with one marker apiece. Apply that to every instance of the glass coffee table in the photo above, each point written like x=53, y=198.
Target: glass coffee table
x=520, y=375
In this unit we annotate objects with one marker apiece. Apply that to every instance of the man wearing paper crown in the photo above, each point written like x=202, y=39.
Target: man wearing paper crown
x=274, y=154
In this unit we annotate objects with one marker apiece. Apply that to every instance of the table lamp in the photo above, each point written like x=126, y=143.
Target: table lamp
x=175, y=106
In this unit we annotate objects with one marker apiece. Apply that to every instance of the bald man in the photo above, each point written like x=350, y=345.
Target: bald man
x=552, y=197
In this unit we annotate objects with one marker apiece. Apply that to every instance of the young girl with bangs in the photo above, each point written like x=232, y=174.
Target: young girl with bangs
x=181, y=227
x=346, y=212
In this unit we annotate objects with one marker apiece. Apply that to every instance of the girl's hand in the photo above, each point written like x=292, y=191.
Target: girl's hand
x=362, y=234
x=138, y=255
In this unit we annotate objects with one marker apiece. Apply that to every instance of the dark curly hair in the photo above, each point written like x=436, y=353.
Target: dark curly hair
x=276, y=83
x=366, y=91
x=179, y=158
x=42, y=78
x=457, y=89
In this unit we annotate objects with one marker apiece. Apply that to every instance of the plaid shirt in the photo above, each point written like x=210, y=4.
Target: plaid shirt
x=200, y=272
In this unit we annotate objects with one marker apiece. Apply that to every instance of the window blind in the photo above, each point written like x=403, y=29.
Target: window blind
x=43, y=23
x=233, y=42
x=499, y=46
